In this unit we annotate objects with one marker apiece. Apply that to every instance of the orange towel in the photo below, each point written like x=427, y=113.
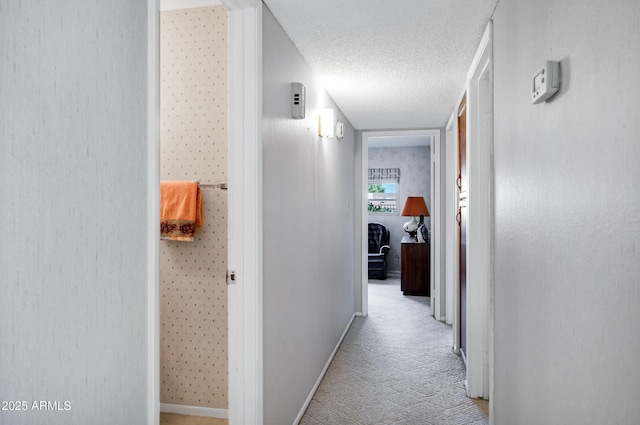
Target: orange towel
x=181, y=215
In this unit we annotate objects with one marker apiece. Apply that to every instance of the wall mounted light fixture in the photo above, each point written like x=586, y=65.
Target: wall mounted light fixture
x=326, y=123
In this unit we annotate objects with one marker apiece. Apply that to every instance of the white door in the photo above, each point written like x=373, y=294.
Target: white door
x=479, y=215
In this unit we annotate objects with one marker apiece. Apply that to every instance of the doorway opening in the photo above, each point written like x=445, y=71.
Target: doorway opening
x=412, y=153
x=469, y=189
x=244, y=207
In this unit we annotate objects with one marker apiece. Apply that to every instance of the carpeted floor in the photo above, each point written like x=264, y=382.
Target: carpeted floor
x=395, y=366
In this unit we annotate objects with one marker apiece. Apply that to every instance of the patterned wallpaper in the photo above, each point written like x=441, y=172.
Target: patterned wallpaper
x=193, y=139
x=415, y=168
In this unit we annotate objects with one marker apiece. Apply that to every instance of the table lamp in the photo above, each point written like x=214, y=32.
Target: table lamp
x=414, y=206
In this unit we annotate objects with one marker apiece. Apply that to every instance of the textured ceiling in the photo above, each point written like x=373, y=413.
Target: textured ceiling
x=388, y=64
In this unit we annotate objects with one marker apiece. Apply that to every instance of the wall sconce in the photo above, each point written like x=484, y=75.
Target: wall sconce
x=326, y=123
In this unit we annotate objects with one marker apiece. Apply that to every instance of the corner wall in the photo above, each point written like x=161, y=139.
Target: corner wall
x=73, y=196
x=567, y=260
x=308, y=231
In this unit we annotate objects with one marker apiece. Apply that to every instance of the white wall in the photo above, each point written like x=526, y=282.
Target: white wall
x=308, y=231
x=567, y=261
x=73, y=196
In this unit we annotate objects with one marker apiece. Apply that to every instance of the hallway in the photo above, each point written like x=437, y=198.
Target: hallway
x=395, y=366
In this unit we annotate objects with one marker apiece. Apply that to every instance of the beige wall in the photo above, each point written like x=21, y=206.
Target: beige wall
x=193, y=357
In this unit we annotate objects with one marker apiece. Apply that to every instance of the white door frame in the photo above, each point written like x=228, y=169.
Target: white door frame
x=453, y=266
x=153, y=212
x=438, y=284
x=245, y=213
x=450, y=194
x=480, y=218
x=364, y=243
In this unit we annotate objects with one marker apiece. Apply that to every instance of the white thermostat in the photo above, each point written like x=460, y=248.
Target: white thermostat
x=339, y=130
x=546, y=82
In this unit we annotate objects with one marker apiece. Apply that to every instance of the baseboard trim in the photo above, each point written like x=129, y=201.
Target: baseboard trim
x=358, y=314
x=324, y=371
x=209, y=412
x=394, y=273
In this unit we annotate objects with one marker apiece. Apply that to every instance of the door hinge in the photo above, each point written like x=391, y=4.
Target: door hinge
x=231, y=277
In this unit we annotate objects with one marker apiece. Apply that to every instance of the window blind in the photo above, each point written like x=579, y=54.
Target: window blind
x=384, y=175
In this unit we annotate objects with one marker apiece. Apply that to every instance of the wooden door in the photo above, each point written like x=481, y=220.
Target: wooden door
x=463, y=185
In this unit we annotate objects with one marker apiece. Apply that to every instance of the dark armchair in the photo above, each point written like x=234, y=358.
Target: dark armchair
x=378, y=249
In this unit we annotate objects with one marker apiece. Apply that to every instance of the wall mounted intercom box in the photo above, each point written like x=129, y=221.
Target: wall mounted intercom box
x=297, y=98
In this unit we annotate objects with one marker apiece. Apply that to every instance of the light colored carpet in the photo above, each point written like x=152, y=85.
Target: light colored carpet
x=395, y=366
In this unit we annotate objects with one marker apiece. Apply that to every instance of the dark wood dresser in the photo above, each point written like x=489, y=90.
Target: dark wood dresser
x=415, y=269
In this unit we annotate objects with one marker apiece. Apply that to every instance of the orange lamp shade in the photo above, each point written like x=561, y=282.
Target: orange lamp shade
x=415, y=206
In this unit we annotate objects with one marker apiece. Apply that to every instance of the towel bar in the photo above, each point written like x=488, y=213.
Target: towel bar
x=222, y=186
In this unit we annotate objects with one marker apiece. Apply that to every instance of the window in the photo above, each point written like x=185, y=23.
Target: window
x=382, y=198
x=382, y=194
